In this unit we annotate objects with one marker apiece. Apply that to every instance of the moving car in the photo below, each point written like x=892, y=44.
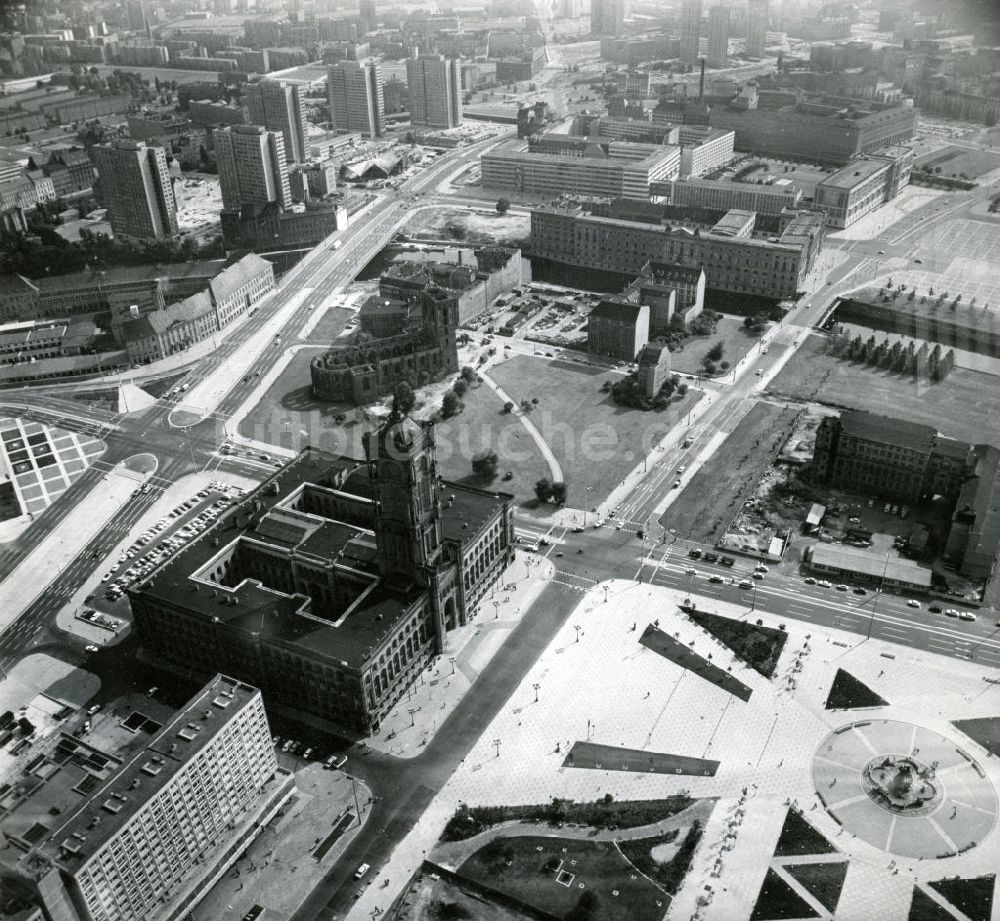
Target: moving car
x=361, y=871
x=912, y=603
x=716, y=579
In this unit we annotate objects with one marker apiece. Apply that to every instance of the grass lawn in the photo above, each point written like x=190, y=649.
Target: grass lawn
x=759, y=647
x=847, y=693
x=481, y=425
x=527, y=869
x=670, y=873
x=9, y=506
x=778, y=901
x=824, y=881
x=161, y=385
x=717, y=491
x=596, y=441
x=956, y=160
x=331, y=324
x=288, y=409
x=974, y=897
x=736, y=341
x=966, y=405
x=798, y=837
x=470, y=821
x=677, y=652
x=985, y=731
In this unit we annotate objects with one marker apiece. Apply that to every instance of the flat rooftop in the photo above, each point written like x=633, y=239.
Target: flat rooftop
x=874, y=565
x=847, y=177
x=79, y=792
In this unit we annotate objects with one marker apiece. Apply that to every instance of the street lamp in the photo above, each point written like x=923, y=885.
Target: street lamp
x=496, y=745
x=452, y=660
x=577, y=629
x=536, y=687
x=413, y=715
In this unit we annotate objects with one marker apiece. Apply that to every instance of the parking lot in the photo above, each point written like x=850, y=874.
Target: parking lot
x=174, y=530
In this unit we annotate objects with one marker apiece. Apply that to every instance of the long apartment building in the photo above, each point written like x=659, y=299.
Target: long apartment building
x=278, y=106
x=435, y=91
x=742, y=263
x=354, y=92
x=722, y=196
x=253, y=169
x=135, y=818
x=136, y=188
x=555, y=167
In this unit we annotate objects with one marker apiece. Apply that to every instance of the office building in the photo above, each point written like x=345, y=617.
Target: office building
x=670, y=292
x=252, y=167
x=607, y=17
x=136, y=187
x=561, y=165
x=134, y=817
x=757, y=265
x=617, y=329
x=718, y=36
x=435, y=92
x=756, y=38
x=354, y=91
x=722, y=196
x=818, y=130
x=863, y=186
x=368, y=14
x=277, y=106
x=690, y=49
x=342, y=586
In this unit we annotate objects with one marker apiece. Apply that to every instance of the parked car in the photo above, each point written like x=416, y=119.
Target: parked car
x=912, y=603
x=966, y=615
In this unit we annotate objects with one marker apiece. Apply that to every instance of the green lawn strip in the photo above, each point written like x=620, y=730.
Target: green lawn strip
x=798, y=838
x=674, y=651
x=758, y=647
x=847, y=692
x=604, y=813
x=924, y=908
x=527, y=868
x=777, y=901
x=973, y=897
x=985, y=731
x=669, y=874
x=823, y=881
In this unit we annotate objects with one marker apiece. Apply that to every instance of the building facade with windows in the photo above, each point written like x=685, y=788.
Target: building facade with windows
x=722, y=196
x=355, y=95
x=617, y=329
x=136, y=187
x=253, y=169
x=335, y=583
x=754, y=265
x=434, y=88
x=277, y=105
x=863, y=186
x=140, y=828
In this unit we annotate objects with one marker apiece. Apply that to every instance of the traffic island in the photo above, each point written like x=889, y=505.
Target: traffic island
x=665, y=645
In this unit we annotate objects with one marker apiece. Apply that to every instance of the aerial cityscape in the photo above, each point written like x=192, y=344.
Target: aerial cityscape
x=517, y=460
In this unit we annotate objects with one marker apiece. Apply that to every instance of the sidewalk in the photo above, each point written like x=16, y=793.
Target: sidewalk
x=280, y=869
x=468, y=651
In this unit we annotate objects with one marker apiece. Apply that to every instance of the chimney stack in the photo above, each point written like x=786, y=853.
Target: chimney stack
x=701, y=81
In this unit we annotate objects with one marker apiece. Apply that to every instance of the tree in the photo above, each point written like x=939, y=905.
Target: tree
x=503, y=206
x=459, y=387
x=468, y=374
x=558, y=494
x=403, y=399
x=485, y=464
x=451, y=405
x=508, y=408
x=543, y=489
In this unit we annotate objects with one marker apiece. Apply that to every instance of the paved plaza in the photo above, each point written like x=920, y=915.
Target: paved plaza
x=43, y=461
x=596, y=682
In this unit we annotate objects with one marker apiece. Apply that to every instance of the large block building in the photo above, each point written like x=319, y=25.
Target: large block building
x=334, y=584
x=744, y=265
x=864, y=185
x=137, y=819
x=893, y=459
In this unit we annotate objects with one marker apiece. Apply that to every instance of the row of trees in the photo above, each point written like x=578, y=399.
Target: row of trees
x=933, y=363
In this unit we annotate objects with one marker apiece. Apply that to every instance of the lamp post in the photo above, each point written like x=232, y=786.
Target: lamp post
x=536, y=686
x=452, y=660
x=577, y=629
x=413, y=715
x=496, y=745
